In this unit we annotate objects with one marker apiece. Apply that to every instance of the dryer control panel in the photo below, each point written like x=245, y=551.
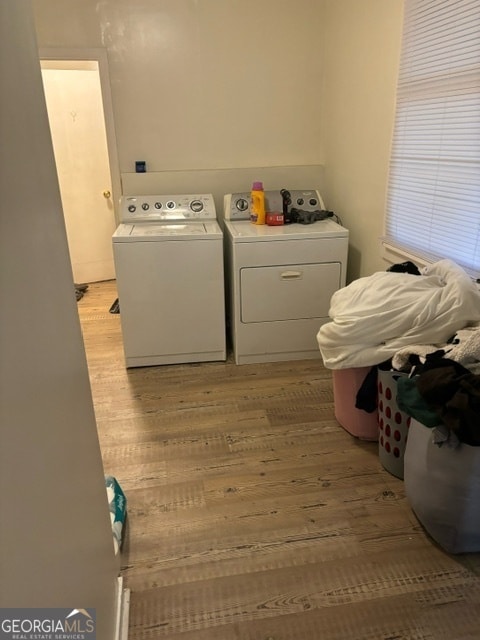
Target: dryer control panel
x=184, y=208
x=237, y=205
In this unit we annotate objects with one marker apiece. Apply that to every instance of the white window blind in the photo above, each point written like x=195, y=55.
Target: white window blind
x=433, y=201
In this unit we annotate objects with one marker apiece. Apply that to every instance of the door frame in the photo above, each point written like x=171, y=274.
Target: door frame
x=69, y=57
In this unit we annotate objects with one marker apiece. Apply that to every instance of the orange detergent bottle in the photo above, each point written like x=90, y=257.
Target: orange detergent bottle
x=257, y=210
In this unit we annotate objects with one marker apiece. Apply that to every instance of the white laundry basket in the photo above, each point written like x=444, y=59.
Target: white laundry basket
x=442, y=485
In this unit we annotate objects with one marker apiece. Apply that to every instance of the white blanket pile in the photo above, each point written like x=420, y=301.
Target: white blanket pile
x=376, y=316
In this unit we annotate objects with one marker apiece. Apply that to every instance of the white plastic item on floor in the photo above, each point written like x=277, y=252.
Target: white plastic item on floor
x=359, y=423
x=442, y=485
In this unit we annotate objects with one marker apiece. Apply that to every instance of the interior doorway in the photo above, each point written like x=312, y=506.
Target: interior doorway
x=78, y=123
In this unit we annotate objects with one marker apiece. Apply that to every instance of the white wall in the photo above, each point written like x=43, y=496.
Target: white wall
x=56, y=547
x=202, y=84
x=362, y=49
x=206, y=85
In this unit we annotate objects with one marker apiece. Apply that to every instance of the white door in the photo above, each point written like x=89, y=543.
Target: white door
x=75, y=111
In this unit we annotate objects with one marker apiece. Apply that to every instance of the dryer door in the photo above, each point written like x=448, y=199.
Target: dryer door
x=288, y=292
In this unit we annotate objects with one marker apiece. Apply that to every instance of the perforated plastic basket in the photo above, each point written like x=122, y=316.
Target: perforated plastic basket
x=393, y=424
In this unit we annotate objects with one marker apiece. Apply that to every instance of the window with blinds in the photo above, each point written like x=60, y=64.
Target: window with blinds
x=433, y=201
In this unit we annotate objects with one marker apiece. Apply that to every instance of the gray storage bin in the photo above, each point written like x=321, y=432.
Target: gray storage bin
x=442, y=485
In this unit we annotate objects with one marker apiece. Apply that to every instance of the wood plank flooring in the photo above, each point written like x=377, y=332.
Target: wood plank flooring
x=252, y=515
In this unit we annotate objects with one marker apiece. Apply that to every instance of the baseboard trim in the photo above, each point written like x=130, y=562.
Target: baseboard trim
x=122, y=611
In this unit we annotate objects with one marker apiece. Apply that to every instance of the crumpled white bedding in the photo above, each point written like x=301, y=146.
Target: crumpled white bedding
x=375, y=316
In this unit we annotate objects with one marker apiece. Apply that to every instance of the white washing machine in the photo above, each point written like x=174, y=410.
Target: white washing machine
x=168, y=253
x=280, y=278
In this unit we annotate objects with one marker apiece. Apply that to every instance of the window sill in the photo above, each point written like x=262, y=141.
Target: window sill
x=392, y=254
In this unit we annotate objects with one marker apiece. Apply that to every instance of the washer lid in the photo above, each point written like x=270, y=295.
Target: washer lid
x=158, y=231
x=245, y=231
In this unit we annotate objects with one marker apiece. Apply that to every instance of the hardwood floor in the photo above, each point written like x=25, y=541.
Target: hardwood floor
x=252, y=515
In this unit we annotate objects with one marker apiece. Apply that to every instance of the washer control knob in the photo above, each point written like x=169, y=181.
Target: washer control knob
x=170, y=204
x=196, y=206
x=158, y=205
x=132, y=208
x=300, y=201
x=313, y=202
x=241, y=204
x=145, y=206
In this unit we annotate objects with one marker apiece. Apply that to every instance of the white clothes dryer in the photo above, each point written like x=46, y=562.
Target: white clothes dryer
x=168, y=253
x=280, y=279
